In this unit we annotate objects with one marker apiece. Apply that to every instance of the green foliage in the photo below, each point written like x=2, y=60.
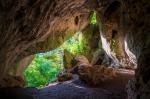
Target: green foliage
x=74, y=45
x=93, y=19
x=45, y=66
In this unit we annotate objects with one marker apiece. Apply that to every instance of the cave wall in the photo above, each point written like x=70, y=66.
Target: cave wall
x=112, y=36
x=91, y=47
x=31, y=26
x=137, y=29
x=92, y=43
x=28, y=26
x=133, y=24
x=15, y=75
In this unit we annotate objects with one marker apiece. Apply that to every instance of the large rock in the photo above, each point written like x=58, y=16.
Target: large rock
x=68, y=60
x=95, y=75
x=91, y=42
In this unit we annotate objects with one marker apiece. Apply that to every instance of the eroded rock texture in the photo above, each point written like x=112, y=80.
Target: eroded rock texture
x=31, y=26
x=15, y=76
x=110, y=24
x=92, y=43
x=129, y=18
x=137, y=29
x=93, y=75
x=91, y=47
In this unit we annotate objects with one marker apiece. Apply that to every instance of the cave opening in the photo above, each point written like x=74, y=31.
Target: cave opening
x=111, y=62
x=45, y=67
x=89, y=46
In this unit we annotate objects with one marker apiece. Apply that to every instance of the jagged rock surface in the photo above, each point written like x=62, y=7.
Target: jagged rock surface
x=136, y=30
x=30, y=26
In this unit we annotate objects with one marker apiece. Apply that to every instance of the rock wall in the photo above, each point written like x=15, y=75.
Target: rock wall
x=31, y=26
x=91, y=47
x=68, y=60
x=137, y=29
x=130, y=18
x=92, y=43
x=15, y=76
x=112, y=36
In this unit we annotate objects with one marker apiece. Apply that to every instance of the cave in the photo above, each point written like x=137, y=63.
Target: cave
x=115, y=64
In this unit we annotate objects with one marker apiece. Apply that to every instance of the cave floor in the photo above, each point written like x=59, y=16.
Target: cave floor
x=73, y=89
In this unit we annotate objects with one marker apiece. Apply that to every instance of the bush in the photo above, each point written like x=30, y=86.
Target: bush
x=45, y=66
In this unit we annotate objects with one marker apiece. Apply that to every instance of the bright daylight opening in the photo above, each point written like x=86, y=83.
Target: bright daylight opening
x=45, y=66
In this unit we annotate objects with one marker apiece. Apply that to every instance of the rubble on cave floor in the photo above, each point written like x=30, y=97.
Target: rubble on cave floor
x=75, y=89
x=87, y=82
x=93, y=75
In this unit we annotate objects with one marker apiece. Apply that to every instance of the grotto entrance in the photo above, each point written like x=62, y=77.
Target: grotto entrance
x=45, y=67
x=27, y=26
x=92, y=78
x=95, y=76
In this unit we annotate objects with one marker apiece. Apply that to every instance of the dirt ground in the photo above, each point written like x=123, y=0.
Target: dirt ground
x=74, y=89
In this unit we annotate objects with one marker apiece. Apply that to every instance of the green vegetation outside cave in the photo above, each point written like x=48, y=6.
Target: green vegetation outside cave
x=45, y=66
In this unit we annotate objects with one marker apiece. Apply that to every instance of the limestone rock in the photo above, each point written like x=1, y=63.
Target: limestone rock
x=31, y=26
x=12, y=81
x=93, y=74
x=81, y=59
x=64, y=76
x=91, y=42
x=96, y=75
x=68, y=60
x=131, y=89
